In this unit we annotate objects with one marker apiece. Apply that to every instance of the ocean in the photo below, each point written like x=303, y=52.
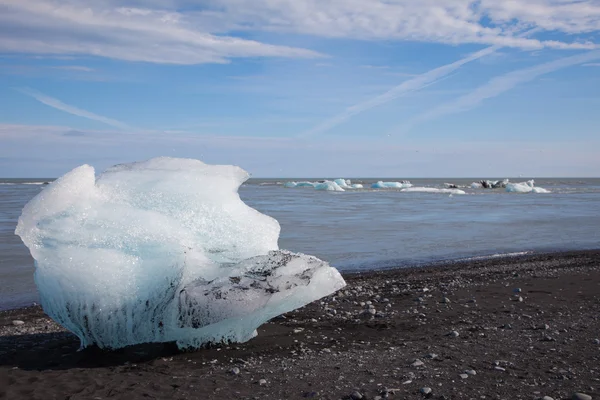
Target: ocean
x=364, y=229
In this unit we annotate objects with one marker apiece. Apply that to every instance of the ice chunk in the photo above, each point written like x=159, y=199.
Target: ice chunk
x=525, y=187
x=329, y=186
x=162, y=250
x=343, y=183
x=305, y=184
x=387, y=185
x=290, y=184
x=433, y=190
x=476, y=185
x=356, y=186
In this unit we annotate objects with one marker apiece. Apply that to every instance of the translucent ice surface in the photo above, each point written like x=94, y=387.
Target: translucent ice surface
x=433, y=190
x=163, y=250
x=525, y=187
x=387, y=185
x=329, y=186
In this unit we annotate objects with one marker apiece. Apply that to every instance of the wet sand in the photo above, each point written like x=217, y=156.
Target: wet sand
x=454, y=331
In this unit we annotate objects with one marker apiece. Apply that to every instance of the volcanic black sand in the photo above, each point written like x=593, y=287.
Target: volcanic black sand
x=456, y=331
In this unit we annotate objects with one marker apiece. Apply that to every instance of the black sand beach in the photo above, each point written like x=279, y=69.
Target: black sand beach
x=458, y=331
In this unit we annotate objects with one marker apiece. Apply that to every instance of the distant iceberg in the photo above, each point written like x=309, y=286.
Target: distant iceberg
x=163, y=250
x=433, y=190
x=329, y=186
x=525, y=187
x=389, y=185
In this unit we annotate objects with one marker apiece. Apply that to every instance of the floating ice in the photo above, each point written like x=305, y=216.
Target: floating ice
x=356, y=186
x=525, y=187
x=387, y=185
x=329, y=186
x=163, y=250
x=433, y=190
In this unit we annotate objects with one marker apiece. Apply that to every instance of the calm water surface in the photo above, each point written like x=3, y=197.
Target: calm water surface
x=370, y=229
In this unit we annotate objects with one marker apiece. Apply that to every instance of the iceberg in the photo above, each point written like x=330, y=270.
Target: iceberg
x=388, y=185
x=163, y=251
x=433, y=190
x=329, y=186
x=525, y=187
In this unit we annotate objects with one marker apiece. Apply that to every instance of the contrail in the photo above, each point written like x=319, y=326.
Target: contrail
x=412, y=85
x=499, y=85
x=59, y=105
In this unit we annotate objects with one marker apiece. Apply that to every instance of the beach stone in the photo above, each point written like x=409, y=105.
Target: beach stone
x=453, y=334
x=356, y=396
x=497, y=368
x=446, y=300
x=517, y=290
x=262, y=382
x=463, y=376
x=470, y=372
x=18, y=322
x=581, y=396
x=235, y=370
x=418, y=363
x=425, y=390
x=547, y=398
x=596, y=341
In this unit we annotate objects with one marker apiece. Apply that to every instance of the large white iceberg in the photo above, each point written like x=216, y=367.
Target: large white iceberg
x=163, y=250
x=525, y=187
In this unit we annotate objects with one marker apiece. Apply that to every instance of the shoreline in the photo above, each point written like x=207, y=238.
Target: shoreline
x=545, y=344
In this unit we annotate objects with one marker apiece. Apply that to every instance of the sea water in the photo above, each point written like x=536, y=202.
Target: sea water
x=368, y=228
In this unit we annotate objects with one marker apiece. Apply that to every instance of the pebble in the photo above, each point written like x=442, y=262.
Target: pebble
x=497, y=368
x=517, y=290
x=18, y=322
x=425, y=390
x=547, y=398
x=418, y=363
x=356, y=396
x=453, y=334
x=471, y=372
x=262, y=382
x=446, y=300
x=596, y=341
x=464, y=376
x=235, y=370
x=581, y=396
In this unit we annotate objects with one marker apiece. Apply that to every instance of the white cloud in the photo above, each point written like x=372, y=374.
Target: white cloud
x=409, y=86
x=181, y=32
x=99, y=29
x=499, y=85
x=591, y=65
x=448, y=21
x=59, y=105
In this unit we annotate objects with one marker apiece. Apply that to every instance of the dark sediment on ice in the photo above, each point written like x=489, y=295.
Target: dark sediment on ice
x=456, y=331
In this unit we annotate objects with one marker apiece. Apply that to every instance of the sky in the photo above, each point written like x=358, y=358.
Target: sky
x=303, y=88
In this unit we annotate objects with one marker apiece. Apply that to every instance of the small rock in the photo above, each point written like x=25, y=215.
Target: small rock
x=453, y=334
x=517, y=290
x=547, y=398
x=262, y=382
x=497, y=368
x=470, y=372
x=418, y=363
x=446, y=300
x=596, y=341
x=432, y=356
x=581, y=396
x=235, y=370
x=18, y=322
x=356, y=396
x=425, y=390
x=463, y=376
